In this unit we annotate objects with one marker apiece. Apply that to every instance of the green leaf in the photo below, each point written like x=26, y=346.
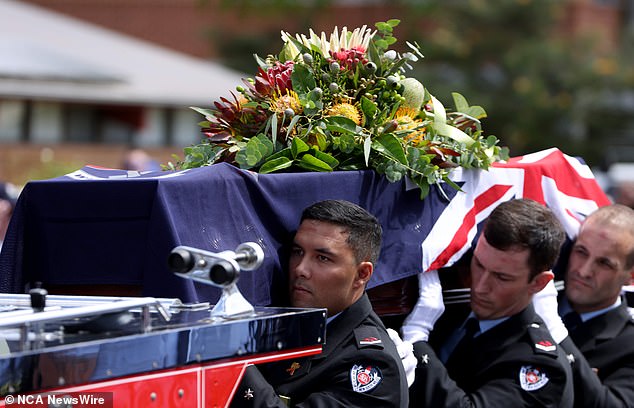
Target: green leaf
x=367, y=149
x=320, y=138
x=262, y=63
x=440, y=123
x=373, y=55
x=460, y=102
x=203, y=111
x=340, y=124
x=274, y=127
x=390, y=40
x=477, y=112
x=462, y=105
x=369, y=110
x=381, y=44
x=326, y=158
x=279, y=163
x=310, y=162
x=383, y=27
x=393, y=22
x=286, y=54
x=291, y=125
x=424, y=189
x=345, y=142
x=388, y=144
x=298, y=146
x=302, y=78
x=282, y=153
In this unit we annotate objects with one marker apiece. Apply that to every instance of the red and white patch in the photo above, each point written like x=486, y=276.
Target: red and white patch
x=370, y=340
x=364, y=377
x=532, y=378
x=545, y=345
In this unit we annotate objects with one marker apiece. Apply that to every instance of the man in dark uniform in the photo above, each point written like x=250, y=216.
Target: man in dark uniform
x=503, y=354
x=601, y=329
x=331, y=262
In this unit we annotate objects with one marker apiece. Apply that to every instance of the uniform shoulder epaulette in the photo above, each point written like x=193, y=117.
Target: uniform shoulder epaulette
x=541, y=339
x=368, y=336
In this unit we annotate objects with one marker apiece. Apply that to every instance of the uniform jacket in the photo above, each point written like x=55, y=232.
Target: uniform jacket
x=358, y=367
x=514, y=364
x=603, y=354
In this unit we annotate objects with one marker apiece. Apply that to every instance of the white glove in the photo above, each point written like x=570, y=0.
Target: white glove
x=427, y=310
x=406, y=353
x=545, y=304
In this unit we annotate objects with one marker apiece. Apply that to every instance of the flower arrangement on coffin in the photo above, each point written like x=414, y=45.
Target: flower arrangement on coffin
x=343, y=103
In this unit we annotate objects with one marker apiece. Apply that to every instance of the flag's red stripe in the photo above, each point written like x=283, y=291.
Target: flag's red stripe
x=556, y=167
x=481, y=202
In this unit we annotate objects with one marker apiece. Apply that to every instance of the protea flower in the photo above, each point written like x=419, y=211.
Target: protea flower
x=358, y=39
x=345, y=109
x=349, y=58
x=233, y=119
x=281, y=104
x=406, y=120
x=276, y=79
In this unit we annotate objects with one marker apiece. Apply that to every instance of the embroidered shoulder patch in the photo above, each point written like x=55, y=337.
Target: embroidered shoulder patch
x=365, y=377
x=370, y=340
x=532, y=378
x=545, y=345
x=368, y=337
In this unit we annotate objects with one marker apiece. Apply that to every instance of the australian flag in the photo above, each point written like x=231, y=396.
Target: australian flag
x=563, y=183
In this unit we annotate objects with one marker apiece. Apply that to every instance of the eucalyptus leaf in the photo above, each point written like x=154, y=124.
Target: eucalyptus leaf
x=367, y=149
x=274, y=127
x=291, y=125
x=203, y=111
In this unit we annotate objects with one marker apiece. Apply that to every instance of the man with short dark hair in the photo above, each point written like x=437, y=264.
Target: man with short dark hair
x=601, y=329
x=332, y=259
x=503, y=354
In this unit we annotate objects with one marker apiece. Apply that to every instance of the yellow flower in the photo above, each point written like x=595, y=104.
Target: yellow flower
x=345, y=109
x=280, y=104
x=406, y=119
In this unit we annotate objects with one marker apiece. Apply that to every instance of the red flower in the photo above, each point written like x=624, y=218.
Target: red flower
x=348, y=59
x=276, y=79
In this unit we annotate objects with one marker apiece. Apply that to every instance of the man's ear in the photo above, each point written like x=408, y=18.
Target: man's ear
x=364, y=273
x=540, y=281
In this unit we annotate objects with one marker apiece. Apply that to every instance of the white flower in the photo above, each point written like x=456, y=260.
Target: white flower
x=359, y=38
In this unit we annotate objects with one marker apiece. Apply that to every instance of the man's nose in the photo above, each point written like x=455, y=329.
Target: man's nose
x=480, y=282
x=584, y=269
x=300, y=268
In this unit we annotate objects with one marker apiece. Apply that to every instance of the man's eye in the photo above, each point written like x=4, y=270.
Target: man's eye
x=323, y=258
x=296, y=251
x=606, y=264
x=502, y=278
